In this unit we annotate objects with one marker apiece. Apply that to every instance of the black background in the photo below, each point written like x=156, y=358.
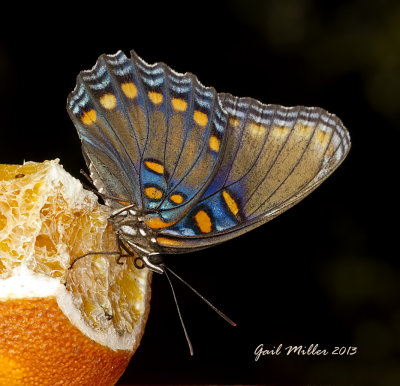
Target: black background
x=326, y=272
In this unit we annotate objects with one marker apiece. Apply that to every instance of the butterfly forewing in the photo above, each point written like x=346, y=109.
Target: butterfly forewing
x=183, y=145
x=100, y=108
x=202, y=167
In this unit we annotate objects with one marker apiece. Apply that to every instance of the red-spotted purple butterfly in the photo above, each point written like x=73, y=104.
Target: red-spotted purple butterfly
x=183, y=167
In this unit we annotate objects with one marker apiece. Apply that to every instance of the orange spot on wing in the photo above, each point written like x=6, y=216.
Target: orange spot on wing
x=153, y=193
x=155, y=166
x=230, y=202
x=168, y=241
x=157, y=223
x=203, y=221
x=200, y=118
x=179, y=104
x=303, y=129
x=129, y=89
x=155, y=97
x=89, y=117
x=214, y=143
x=322, y=136
x=108, y=101
x=176, y=198
x=257, y=128
x=280, y=130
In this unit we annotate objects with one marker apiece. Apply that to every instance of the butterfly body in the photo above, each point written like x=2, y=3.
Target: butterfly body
x=189, y=167
x=135, y=237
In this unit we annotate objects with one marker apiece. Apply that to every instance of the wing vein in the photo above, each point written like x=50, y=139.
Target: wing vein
x=167, y=110
x=272, y=164
x=185, y=135
x=99, y=108
x=205, y=141
x=126, y=114
x=291, y=171
x=134, y=60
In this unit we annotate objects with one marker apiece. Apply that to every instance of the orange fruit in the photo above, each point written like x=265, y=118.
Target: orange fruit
x=76, y=326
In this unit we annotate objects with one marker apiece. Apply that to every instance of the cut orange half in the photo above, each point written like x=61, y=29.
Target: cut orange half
x=76, y=326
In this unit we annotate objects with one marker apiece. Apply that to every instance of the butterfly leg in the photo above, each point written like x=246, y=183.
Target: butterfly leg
x=146, y=259
x=119, y=253
x=128, y=253
x=152, y=261
x=93, y=253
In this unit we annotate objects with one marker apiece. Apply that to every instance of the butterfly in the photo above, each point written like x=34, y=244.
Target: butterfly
x=183, y=167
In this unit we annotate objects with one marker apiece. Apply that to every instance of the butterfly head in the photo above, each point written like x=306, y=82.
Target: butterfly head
x=132, y=231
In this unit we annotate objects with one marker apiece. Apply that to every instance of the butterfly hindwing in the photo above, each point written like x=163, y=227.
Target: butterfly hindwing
x=274, y=157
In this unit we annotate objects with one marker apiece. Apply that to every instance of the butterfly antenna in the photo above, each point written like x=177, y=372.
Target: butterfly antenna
x=94, y=253
x=179, y=312
x=220, y=313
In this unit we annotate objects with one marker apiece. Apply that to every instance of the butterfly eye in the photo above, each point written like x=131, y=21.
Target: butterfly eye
x=155, y=259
